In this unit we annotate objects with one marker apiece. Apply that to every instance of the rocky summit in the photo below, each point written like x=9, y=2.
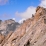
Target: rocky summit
x=32, y=31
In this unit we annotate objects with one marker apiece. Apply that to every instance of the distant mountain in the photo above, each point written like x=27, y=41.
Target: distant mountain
x=7, y=26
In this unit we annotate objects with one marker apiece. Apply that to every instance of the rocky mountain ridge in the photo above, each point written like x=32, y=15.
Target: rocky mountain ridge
x=31, y=33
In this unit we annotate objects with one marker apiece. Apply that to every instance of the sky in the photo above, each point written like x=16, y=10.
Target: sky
x=19, y=10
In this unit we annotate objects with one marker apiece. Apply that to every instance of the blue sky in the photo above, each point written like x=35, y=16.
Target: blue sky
x=9, y=8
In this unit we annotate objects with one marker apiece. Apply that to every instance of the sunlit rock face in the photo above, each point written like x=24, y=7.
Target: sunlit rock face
x=32, y=31
x=8, y=25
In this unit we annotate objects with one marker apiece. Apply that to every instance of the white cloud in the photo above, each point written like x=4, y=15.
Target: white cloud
x=43, y=3
x=13, y=19
x=27, y=13
x=3, y=2
x=21, y=21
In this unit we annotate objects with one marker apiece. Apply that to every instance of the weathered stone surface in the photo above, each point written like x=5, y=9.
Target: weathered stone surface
x=31, y=33
x=1, y=38
x=7, y=37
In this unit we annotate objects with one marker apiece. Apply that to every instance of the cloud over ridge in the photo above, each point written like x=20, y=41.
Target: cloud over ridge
x=30, y=10
x=43, y=3
x=27, y=13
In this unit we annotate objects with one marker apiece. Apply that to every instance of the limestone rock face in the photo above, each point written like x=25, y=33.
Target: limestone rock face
x=32, y=31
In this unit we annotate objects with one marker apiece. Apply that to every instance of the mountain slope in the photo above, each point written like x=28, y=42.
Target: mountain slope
x=31, y=33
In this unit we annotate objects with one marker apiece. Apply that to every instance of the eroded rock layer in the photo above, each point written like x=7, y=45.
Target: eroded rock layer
x=31, y=33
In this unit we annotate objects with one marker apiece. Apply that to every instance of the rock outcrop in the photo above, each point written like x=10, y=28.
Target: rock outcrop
x=31, y=33
x=2, y=37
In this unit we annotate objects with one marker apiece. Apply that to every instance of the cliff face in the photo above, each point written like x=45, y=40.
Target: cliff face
x=31, y=33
